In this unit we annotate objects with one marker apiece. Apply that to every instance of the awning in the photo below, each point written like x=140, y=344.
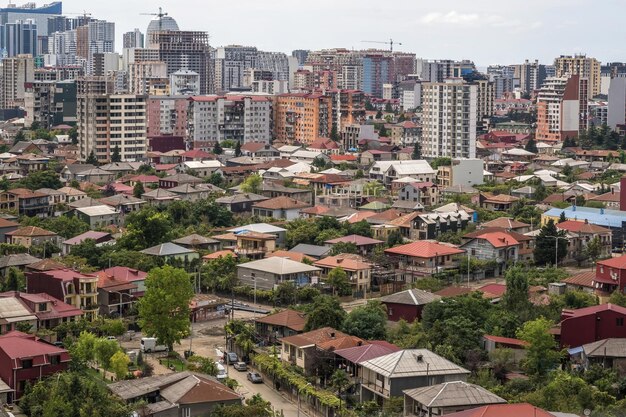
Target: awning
x=18, y=319
x=575, y=351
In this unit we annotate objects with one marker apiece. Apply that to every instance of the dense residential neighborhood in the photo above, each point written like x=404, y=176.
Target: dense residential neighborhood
x=193, y=230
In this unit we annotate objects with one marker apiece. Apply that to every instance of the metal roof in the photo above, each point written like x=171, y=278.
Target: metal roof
x=278, y=266
x=413, y=362
x=453, y=394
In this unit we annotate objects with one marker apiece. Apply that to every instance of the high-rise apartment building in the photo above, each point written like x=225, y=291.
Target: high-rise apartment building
x=185, y=50
x=185, y=82
x=531, y=75
x=378, y=69
x=301, y=55
x=449, y=120
x=348, y=107
x=19, y=37
x=167, y=116
x=133, y=39
x=231, y=117
x=144, y=73
x=562, y=108
x=108, y=121
x=30, y=11
x=567, y=65
x=231, y=63
x=302, y=117
x=617, y=101
x=438, y=71
x=15, y=74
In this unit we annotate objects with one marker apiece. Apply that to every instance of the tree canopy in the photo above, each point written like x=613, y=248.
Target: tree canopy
x=324, y=311
x=367, y=322
x=164, y=308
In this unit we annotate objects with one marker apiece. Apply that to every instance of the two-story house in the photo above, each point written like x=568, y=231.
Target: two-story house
x=425, y=193
x=365, y=245
x=306, y=350
x=275, y=326
x=26, y=202
x=241, y=202
x=431, y=225
x=388, y=376
x=48, y=311
x=74, y=288
x=25, y=360
x=590, y=324
x=279, y=208
x=408, y=304
x=357, y=268
x=494, y=246
x=422, y=258
x=388, y=171
x=611, y=275
x=266, y=273
x=500, y=202
x=172, y=253
x=31, y=236
x=586, y=233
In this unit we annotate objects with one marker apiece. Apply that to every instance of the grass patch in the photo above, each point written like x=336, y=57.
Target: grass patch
x=177, y=363
x=97, y=376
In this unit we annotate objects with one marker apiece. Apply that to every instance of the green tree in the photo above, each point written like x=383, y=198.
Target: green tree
x=164, y=308
x=301, y=231
x=41, y=179
x=116, y=156
x=138, y=189
x=91, y=159
x=417, y=151
x=216, y=179
x=201, y=364
x=618, y=298
x=119, y=364
x=324, y=311
x=367, y=322
x=531, y=146
x=112, y=327
x=84, y=349
x=104, y=351
x=562, y=217
x=252, y=184
x=334, y=135
x=19, y=137
x=338, y=280
x=220, y=274
x=146, y=228
x=374, y=188
x=14, y=281
x=73, y=134
x=593, y=249
x=343, y=247
x=541, y=354
x=217, y=149
x=72, y=394
x=361, y=228
x=546, y=244
x=441, y=161
x=515, y=299
x=238, y=149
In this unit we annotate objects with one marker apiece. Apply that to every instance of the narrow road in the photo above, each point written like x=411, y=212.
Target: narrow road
x=248, y=389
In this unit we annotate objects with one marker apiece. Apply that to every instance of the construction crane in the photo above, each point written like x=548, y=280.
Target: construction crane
x=160, y=15
x=390, y=42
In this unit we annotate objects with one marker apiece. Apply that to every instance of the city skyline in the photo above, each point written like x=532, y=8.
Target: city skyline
x=447, y=30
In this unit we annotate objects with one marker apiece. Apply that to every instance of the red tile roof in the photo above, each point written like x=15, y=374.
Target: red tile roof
x=593, y=310
x=584, y=279
x=20, y=345
x=424, y=249
x=346, y=261
x=314, y=337
x=31, y=231
x=619, y=262
x=280, y=203
x=496, y=289
x=505, y=222
x=499, y=239
x=453, y=291
x=348, y=158
x=582, y=227
x=501, y=410
x=506, y=340
x=219, y=254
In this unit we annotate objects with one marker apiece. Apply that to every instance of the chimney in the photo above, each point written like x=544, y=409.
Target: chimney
x=419, y=358
x=622, y=195
x=332, y=335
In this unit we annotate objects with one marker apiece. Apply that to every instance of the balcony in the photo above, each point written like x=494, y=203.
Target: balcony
x=384, y=392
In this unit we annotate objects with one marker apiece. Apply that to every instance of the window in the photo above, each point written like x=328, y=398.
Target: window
x=186, y=411
x=300, y=353
x=55, y=360
x=619, y=321
x=27, y=363
x=43, y=307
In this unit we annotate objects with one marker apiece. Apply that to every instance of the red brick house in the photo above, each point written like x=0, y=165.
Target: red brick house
x=590, y=324
x=24, y=358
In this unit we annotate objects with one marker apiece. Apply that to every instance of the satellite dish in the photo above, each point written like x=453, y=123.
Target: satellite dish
x=587, y=412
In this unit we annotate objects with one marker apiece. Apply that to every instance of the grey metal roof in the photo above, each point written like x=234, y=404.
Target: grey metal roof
x=413, y=362
x=127, y=390
x=167, y=249
x=614, y=348
x=411, y=296
x=12, y=310
x=278, y=266
x=453, y=394
x=312, y=250
x=18, y=259
x=175, y=392
x=240, y=198
x=259, y=228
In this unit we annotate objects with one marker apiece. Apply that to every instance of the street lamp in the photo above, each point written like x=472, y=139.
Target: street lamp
x=254, y=279
x=556, y=249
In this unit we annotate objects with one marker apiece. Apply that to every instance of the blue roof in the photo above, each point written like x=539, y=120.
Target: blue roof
x=600, y=217
x=52, y=8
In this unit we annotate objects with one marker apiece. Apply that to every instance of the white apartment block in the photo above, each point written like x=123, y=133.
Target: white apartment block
x=449, y=119
x=235, y=117
x=109, y=121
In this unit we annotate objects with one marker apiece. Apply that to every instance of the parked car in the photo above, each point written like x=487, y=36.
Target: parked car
x=240, y=366
x=231, y=358
x=221, y=371
x=255, y=378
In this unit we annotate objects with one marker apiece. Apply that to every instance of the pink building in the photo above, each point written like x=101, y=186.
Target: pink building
x=167, y=116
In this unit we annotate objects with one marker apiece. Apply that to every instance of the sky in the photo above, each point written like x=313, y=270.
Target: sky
x=485, y=31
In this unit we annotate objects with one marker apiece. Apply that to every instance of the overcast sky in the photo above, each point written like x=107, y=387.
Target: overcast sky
x=486, y=31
